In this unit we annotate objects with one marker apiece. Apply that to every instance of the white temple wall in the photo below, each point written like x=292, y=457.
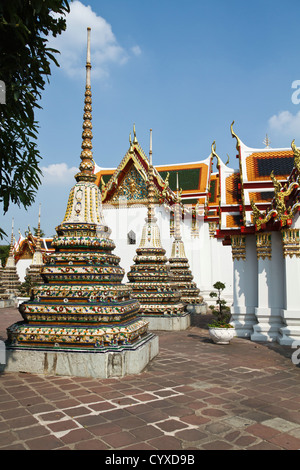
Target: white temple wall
x=121, y=220
x=21, y=267
x=270, y=292
x=290, y=332
x=209, y=260
x=245, y=290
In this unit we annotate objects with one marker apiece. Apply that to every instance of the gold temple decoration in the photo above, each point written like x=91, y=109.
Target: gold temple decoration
x=260, y=218
x=212, y=227
x=135, y=141
x=166, y=186
x=103, y=185
x=291, y=242
x=214, y=154
x=238, y=147
x=238, y=247
x=234, y=136
x=296, y=152
x=278, y=208
x=264, y=245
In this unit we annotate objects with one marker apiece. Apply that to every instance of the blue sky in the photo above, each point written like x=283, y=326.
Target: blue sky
x=184, y=69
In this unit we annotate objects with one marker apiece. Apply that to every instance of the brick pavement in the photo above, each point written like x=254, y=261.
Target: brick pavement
x=194, y=395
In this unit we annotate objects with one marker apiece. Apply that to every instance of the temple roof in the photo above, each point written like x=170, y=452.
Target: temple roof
x=26, y=247
x=253, y=186
x=130, y=179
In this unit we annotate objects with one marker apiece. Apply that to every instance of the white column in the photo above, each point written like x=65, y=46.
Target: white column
x=270, y=287
x=244, y=284
x=290, y=332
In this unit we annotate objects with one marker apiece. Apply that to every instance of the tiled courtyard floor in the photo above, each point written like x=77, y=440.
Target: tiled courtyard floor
x=194, y=395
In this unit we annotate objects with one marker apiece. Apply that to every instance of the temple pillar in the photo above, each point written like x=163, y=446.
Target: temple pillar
x=244, y=284
x=290, y=332
x=270, y=287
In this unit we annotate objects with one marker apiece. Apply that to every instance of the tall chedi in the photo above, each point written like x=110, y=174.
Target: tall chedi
x=82, y=321
x=180, y=268
x=150, y=276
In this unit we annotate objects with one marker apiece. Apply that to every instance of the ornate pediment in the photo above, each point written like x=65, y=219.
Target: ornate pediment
x=133, y=187
x=131, y=179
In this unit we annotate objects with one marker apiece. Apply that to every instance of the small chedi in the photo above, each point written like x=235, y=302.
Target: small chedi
x=180, y=269
x=83, y=308
x=150, y=276
x=34, y=271
x=10, y=281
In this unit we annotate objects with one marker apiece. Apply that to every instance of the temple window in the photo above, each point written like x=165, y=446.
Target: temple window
x=131, y=238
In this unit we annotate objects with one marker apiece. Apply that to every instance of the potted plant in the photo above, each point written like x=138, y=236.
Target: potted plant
x=220, y=330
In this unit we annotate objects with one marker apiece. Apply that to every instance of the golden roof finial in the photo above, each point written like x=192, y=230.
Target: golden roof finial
x=130, y=144
x=234, y=136
x=214, y=153
x=87, y=165
x=267, y=142
x=135, y=141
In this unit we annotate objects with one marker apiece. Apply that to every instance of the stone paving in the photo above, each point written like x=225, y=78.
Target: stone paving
x=194, y=395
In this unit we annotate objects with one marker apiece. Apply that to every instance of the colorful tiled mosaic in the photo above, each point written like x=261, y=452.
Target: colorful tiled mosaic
x=82, y=304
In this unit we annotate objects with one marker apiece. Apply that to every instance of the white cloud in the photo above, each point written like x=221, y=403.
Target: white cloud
x=286, y=123
x=136, y=50
x=105, y=49
x=58, y=174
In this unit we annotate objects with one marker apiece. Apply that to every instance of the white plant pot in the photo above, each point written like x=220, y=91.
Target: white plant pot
x=222, y=335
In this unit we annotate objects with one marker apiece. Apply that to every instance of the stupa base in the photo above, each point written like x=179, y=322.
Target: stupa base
x=106, y=363
x=6, y=303
x=168, y=322
x=200, y=308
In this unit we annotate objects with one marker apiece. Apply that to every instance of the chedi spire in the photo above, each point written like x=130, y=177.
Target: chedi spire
x=87, y=165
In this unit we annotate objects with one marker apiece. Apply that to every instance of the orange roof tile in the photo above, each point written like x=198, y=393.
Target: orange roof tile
x=263, y=196
x=231, y=186
x=260, y=164
x=233, y=221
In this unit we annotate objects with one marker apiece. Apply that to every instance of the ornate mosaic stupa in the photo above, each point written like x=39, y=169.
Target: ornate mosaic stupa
x=180, y=268
x=150, y=276
x=82, y=305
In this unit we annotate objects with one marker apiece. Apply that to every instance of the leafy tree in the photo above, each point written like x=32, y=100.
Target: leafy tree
x=25, y=67
x=35, y=232
x=4, y=252
x=220, y=310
